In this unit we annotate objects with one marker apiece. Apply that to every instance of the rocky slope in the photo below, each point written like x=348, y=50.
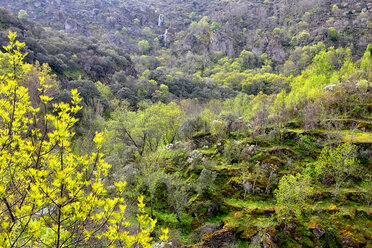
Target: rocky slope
x=273, y=27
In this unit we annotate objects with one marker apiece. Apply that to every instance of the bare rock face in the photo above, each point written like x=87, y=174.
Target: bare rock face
x=98, y=4
x=37, y=4
x=206, y=229
x=221, y=43
x=189, y=42
x=318, y=231
x=260, y=49
x=70, y=25
x=219, y=239
x=275, y=51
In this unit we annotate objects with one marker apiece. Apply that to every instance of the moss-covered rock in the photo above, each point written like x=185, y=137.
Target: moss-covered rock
x=220, y=238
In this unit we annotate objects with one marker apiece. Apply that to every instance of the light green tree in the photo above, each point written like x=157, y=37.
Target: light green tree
x=192, y=15
x=22, y=14
x=152, y=172
x=339, y=162
x=144, y=46
x=146, y=129
x=49, y=196
x=291, y=196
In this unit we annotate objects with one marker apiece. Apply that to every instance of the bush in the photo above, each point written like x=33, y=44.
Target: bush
x=205, y=181
x=193, y=125
x=332, y=34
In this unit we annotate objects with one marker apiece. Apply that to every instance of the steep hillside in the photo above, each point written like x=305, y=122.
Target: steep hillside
x=234, y=123
x=69, y=55
x=274, y=27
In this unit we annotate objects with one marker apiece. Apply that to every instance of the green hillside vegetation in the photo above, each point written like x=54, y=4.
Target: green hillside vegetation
x=241, y=130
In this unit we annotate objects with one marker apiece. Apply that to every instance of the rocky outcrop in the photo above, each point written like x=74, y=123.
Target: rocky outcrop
x=88, y=17
x=317, y=229
x=189, y=42
x=275, y=51
x=219, y=239
x=261, y=45
x=70, y=26
x=220, y=43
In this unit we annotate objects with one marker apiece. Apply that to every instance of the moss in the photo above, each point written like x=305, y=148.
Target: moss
x=195, y=223
x=358, y=137
x=306, y=242
x=265, y=157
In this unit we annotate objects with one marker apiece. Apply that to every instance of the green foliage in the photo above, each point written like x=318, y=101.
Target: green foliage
x=332, y=34
x=329, y=66
x=51, y=197
x=193, y=125
x=338, y=162
x=366, y=63
x=177, y=195
x=152, y=172
x=291, y=195
x=146, y=129
x=120, y=77
x=192, y=15
x=22, y=14
x=366, y=188
x=144, y=46
x=205, y=181
x=214, y=26
x=87, y=89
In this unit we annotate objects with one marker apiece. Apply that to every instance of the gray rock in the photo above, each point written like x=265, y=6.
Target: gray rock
x=70, y=25
x=221, y=43
x=318, y=231
x=37, y=4
x=275, y=51
x=189, y=42
x=262, y=47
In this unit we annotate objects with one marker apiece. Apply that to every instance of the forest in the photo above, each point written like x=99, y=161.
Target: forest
x=200, y=124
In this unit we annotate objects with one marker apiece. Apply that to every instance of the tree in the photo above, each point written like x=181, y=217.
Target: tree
x=152, y=172
x=340, y=163
x=144, y=46
x=332, y=34
x=161, y=94
x=177, y=195
x=291, y=195
x=146, y=129
x=49, y=196
x=22, y=14
x=366, y=188
x=279, y=111
x=192, y=15
x=214, y=26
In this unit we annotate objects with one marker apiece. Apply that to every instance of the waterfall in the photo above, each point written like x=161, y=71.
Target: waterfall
x=165, y=37
x=160, y=20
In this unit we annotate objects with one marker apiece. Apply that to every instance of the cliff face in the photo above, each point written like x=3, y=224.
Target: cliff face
x=86, y=17
x=271, y=27
x=69, y=55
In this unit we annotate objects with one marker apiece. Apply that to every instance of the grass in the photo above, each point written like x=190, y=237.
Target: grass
x=357, y=137
x=249, y=204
